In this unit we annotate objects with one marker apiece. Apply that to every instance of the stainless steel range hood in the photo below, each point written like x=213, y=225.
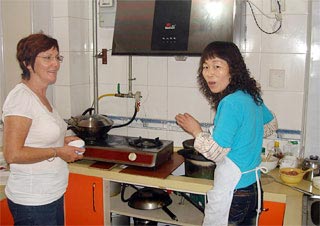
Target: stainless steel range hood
x=176, y=27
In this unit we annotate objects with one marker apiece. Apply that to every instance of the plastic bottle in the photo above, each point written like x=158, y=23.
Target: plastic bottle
x=295, y=149
x=287, y=148
x=277, y=151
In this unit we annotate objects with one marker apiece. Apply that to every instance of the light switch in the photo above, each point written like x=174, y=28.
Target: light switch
x=277, y=78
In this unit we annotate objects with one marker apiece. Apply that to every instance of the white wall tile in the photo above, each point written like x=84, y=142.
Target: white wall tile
x=80, y=8
x=183, y=73
x=104, y=37
x=287, y=106
x=158, y=71
x=187, y=100
x=291, y=38
x=79, y=34
x=60, y=8
x=253, y=62
x=79, y=68
x=64, y=72
x=80, y=99
x=140, y=70
x=116, y=71
x=253, y=34
x=115, y=106
x=154, y=102
x=293, y=66
x=42, y=15
x=254, y=4
x=290, y=7
x=61, y=32
x=62, y=100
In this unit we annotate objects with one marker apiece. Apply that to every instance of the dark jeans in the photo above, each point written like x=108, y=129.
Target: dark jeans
x=50, y=214
x=244, y=206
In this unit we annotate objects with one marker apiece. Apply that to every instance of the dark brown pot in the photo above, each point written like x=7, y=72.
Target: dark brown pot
x=196, y=165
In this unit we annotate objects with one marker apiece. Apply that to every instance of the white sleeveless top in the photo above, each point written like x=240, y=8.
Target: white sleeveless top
x=42, y=182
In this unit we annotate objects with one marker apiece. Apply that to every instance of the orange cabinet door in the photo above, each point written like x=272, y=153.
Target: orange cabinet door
x=84, y=200
x=274, y=215
x=5, y=214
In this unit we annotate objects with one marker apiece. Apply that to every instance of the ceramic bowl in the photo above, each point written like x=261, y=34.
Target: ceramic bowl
x=79, y=144
x=316, y=182
x=291, y=175
x=270, y=164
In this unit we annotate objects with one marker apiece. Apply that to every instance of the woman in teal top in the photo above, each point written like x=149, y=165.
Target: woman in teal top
x=240, y=123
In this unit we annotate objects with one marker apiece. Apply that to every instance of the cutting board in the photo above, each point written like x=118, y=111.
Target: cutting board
x=161, y=171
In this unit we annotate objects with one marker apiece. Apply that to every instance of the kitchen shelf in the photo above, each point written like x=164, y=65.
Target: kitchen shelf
x=186, y=213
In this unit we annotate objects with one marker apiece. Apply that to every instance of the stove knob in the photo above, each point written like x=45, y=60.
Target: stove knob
x=132, y=156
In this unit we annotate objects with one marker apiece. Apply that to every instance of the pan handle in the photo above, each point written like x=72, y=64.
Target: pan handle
x=90, y=110
x=172, y=216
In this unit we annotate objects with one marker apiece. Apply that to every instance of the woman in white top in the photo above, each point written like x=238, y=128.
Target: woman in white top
x=35, y=141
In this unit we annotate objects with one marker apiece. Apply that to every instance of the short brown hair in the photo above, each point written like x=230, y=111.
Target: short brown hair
x=29, y=47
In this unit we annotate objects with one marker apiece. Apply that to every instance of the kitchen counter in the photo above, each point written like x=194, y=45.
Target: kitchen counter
x=273, y=191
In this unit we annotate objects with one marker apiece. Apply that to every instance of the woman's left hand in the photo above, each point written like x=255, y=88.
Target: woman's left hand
x=189, y=124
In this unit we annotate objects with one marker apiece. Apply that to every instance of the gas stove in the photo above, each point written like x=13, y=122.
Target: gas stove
x=136, y=151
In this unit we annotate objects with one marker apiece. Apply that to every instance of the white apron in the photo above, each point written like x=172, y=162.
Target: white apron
x=226, y=177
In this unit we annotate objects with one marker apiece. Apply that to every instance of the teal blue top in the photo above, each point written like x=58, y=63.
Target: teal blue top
x=238, y=124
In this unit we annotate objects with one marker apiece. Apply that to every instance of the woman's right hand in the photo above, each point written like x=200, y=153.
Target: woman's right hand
x=69, y=153
x=189, y=124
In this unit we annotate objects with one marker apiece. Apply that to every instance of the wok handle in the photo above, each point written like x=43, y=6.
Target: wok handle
x=172, y=216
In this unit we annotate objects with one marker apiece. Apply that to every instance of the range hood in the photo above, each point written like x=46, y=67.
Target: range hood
x=176, y=27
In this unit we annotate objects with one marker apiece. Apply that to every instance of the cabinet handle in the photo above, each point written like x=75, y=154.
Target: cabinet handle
x=93, y=197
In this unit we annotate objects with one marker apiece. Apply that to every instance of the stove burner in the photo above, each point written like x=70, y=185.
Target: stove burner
x=145, y=143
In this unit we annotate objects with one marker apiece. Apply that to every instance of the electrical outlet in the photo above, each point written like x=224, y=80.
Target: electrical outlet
x=275, y=7
x=277, y=78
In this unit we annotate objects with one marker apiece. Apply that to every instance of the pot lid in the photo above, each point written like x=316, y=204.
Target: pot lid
x=91, y=121
x=188, y=144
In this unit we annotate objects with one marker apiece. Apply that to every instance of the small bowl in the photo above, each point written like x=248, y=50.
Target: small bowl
x=316, y=182
x=271, y=164
x=291, y=175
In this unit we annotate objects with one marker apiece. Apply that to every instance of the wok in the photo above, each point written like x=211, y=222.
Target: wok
x=148, y=199
x=93, y=127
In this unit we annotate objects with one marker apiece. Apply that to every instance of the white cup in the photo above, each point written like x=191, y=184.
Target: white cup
x=78, y=144
x=289, y=162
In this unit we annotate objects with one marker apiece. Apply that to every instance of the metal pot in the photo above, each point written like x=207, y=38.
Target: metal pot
x=188, y=144
x=313, y=163
x=196, y=165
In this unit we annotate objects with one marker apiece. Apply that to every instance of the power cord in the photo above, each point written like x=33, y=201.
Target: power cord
x=278, y=17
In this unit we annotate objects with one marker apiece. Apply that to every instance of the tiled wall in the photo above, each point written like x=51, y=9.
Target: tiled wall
x=72, y=27
x=169, y=86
